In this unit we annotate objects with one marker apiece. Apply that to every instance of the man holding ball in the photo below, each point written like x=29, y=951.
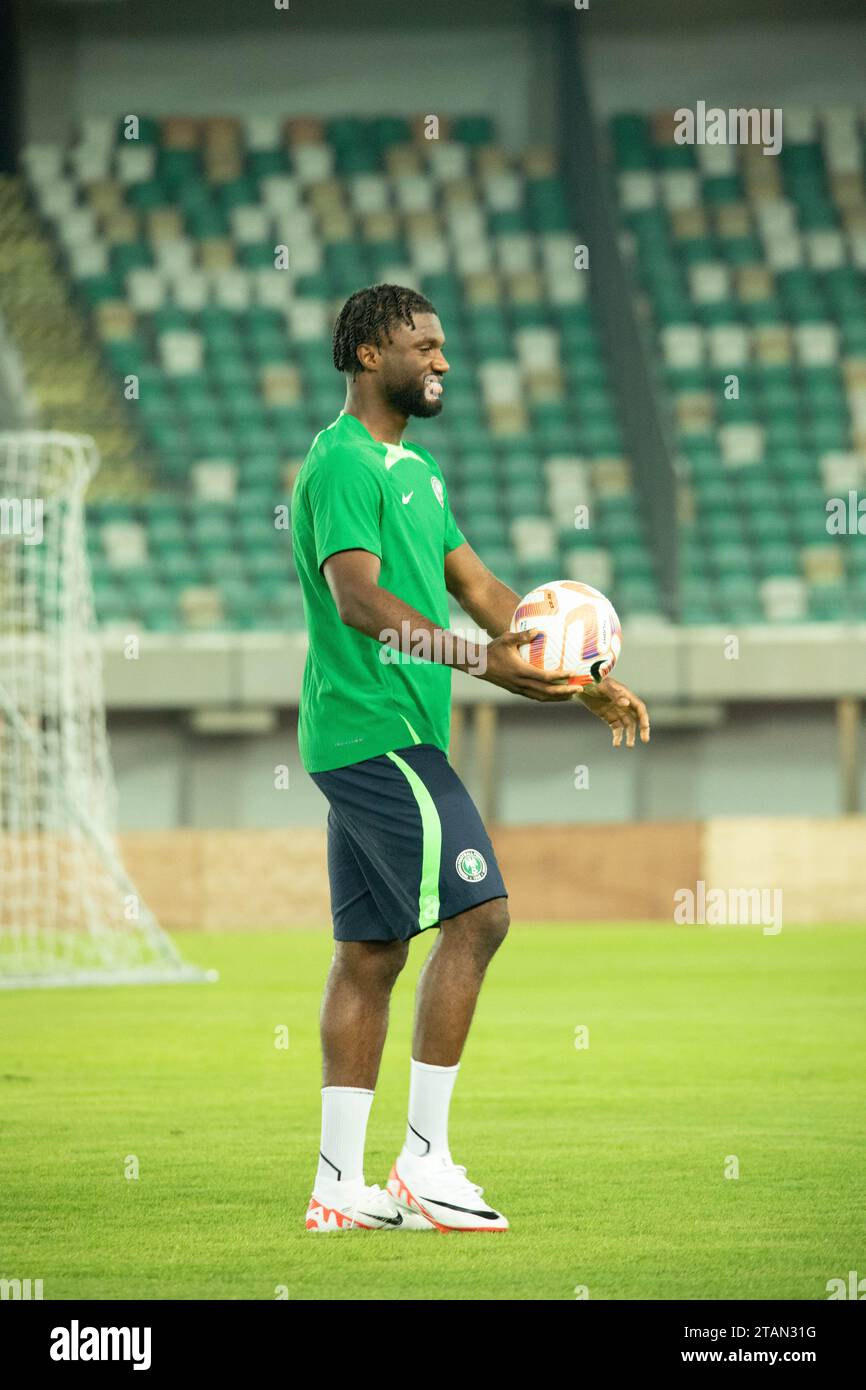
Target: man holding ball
x=378, y=551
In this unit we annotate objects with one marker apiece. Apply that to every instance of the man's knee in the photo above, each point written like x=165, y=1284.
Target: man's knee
x=372, y=964
x=486, y=926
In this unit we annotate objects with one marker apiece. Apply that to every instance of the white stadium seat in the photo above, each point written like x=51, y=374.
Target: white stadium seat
x=515, y=253
x=281, y=193
x=825, y=250
x=88, y=258
x=637, y=190
x=817, y=344
x=728, y=345
x=710, y=282
x=308, y=319
x=537, y=348
x=369, y=193
x=146, y=290
x=214, y=480
x=313, y=163
x=717, y=161
x=841, y=471
x=785, y=599
x=43, y=162
x=502, y=192
x=190, y=290
x=800, y=125
x=90, y=163
x=124, y=543
x=250, y=223
x=473, y=257
x=592, y=567
x=414, y=193
x=447, y=159
x=272, y=288
x=567, y=289
x=77, y=227
x=263, y=132
x=775, y=215
x=134, y=162
x=741, y=444
x=429, y=255
x=181, y=351
x=533, y=538
x=680, y=188
x=232, y=288
x=683, y=345
x=500, y=382
x=175, y=256
x=784, y=251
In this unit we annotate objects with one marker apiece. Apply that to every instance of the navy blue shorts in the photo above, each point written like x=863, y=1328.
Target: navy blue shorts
x=407, y=848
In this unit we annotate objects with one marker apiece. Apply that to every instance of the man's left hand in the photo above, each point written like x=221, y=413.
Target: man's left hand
x=618, y=707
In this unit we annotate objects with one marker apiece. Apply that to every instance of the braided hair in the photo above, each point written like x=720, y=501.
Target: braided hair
x=368, y=315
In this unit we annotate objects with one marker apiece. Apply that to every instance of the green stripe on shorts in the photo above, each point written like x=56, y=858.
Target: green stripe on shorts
x=431, y=834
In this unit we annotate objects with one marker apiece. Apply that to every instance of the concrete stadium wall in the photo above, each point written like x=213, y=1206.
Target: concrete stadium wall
x=231, y=880
x=285, y=67
x=210, y=56
x=734, y=63
x=761, y=760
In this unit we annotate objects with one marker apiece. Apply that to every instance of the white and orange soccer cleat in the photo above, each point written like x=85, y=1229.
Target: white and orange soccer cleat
x=438, y=1189
x=342, y=1206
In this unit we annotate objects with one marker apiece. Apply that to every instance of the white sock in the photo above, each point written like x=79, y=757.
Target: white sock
x=345, y=1111
x=429, y=1098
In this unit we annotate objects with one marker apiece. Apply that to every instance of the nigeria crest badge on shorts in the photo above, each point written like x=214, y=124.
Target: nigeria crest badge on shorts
x=471, y=865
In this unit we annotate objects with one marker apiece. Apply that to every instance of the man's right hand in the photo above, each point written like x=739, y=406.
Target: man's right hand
x=506, y=667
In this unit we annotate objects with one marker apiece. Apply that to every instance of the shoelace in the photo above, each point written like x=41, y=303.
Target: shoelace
x=374, y=1196
x=456, y=1174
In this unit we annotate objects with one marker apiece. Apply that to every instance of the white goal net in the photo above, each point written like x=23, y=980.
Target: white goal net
x=69, y=913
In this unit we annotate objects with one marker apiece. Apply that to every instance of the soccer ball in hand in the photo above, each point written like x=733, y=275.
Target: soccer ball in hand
x=577, y=628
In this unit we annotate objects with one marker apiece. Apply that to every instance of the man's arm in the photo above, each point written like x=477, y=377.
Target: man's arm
x=353, y=579
x=488, y=601
x=491, y=604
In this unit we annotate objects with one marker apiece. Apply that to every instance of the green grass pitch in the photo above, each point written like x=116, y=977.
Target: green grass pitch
x=610, y=1160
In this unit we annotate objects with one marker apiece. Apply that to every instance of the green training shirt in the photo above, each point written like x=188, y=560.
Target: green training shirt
x=355, y=493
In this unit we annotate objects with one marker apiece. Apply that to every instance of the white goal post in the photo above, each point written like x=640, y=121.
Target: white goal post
x=69, y=912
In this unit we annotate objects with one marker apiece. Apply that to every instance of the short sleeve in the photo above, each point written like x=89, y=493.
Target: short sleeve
x=453, y=535
x=346, y=508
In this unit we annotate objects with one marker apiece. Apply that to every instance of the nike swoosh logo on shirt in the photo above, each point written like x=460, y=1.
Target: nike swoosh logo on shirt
x=407, y=496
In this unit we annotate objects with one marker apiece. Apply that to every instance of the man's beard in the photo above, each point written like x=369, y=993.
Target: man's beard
x=409, y=399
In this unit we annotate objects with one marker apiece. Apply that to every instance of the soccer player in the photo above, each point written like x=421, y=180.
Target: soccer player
x=378, y=551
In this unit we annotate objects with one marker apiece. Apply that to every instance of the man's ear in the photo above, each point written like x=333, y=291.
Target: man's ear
x=368, y=356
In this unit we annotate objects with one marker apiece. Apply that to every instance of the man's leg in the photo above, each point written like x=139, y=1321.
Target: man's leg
x=451, y=979
x=354, y=1017
x=445, y=1002
x=424, y=1178
x=354, y=1021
